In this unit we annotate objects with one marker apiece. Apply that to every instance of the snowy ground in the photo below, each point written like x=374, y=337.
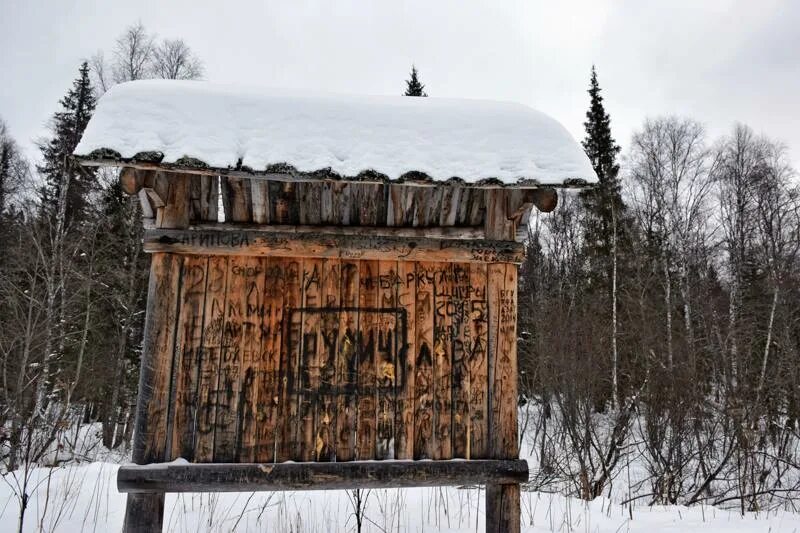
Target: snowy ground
x=83, y=497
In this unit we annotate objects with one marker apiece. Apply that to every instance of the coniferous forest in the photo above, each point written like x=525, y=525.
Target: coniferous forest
x=659, y=316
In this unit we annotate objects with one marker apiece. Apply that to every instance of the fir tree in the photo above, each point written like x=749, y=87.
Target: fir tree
x=603, y=204
x=604, y=219
x=62, y=176
x=413, y=85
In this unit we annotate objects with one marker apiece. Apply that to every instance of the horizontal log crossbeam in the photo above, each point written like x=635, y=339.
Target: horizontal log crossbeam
x=247, y=477
x=361, y=245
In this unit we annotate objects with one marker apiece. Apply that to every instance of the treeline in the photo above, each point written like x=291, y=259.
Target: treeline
x=658, y=312
x=659, y=318
x=73, y=276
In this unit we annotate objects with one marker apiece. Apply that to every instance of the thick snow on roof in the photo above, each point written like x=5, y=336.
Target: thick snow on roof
x=232, y=127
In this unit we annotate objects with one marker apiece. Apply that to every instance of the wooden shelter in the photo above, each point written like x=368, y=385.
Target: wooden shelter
x=300, y=311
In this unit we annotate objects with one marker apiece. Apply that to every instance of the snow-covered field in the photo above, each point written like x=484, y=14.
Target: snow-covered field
x=83, y=497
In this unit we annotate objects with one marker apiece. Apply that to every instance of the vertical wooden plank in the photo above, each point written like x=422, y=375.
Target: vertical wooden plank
x=444, y=325
x=347, y=363
x=498, y=225
x=213, y=325
x=477, y=207
x=476, y=344
x=144, y=512
x=309, y=369
x=188, y=352
x=203, y=197
x=450, y=198
x=236, y=199
x=268, y=382
x=394, y=207
x=159, y=344
x=283, y=202
x=195, y=198
x=259, y=194
x=386, y=360
x=502, y=296
x=209, y=198
x=326, y=203
x=459, y=311
x=250, y=313
x=327, y=348
x=310, y=202
x=174, y=190
x=366, y=427
x=229, y=378
x=424, y=438
x=406, y=299
x=290, y=447
x=502, y=501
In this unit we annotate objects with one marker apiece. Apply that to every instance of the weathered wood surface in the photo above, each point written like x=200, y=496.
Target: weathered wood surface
x=320, y=245
x=315, y=178
x=502, y=508
x=336, y=203
x=502, y=360
x=330, y=322
x=317, y=476
x=144, y=513
x=275, y=359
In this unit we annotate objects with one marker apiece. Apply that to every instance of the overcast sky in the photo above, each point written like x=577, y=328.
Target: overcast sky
x=718, y=61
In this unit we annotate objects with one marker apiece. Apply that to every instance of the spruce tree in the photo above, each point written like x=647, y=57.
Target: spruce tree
x=603, y=236
x=603, y=204
x=59, y=171
x=413, y=86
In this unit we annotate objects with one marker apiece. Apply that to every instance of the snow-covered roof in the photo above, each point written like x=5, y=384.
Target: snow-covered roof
x=262, y=131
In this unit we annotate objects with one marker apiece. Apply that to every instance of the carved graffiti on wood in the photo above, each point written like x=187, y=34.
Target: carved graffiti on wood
x=331, y=359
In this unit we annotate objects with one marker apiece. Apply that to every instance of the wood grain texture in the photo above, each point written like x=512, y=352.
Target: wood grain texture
x=386, y=360
x=476, y=380
x=424, y=435
x=313, y=476
x=188, y=352
x=144, y=513
x=457, y=312
x=250, y=355
x=292, y=324
x=268, y=382
x=327, y=350
x=208, y=387
x=237, y=199
x=406, y=300
x=175, y=192
x=366, y=343
x=153, y=401
x=502, y=297
x=347, y=363
x=502, y=508
x=444, y=324
x=309, y=364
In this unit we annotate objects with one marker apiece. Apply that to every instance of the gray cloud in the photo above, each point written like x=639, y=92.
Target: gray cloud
x=718, y=61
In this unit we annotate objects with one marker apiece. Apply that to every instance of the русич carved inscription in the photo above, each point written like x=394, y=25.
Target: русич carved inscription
x=329, y=359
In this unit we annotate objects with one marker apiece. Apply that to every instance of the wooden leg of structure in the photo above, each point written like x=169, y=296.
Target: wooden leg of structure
x=502, y=508
x=144, y=513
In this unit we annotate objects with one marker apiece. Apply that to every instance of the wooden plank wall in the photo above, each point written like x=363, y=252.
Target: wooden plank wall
x=281, y=359
x=261, y=201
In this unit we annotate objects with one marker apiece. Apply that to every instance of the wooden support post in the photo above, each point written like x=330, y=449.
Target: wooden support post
x=502, y=500
x=144, y=513
x=502, y=508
